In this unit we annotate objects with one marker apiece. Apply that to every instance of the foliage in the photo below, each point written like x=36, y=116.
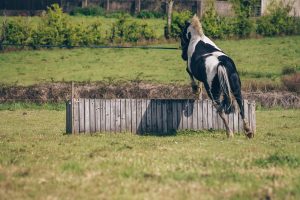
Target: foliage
x=145, y=14
x=125, y=30
x=16, y=31
x=88, y=11
x=277, y=21
x=178, y=21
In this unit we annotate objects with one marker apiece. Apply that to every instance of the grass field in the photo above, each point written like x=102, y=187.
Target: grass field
x=37, y=161
x=256, y=59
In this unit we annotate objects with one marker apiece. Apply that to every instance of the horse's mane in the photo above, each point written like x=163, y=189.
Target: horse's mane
x=197, y=25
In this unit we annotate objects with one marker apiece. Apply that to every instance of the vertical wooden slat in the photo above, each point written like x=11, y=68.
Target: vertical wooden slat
x=164, y=116
x=102, y=115
x=209, y=114
x=133, y=116
x=179, y=114
x=236, y=121
x=149, y=119
x=86, y=115
x=214, y=118
x=169, y=116
x=118, y=115
x=253, y=117
x=220, y=123
x=76, y=115
x=128, y=115
x=107, y=115
x=190, y=114
x=174, y=115
x=154, y=116
x=195, y=115
x=144, y=115
x=200, y=114
x=204, y=115
x=68, y=117
x=185, y=115
x=123, y=115
x=139, y=115
x=97, y=114
x=231, y=121
x=113, y=115
x=159, y=116
x=246, y=110
x=81, y=116
x=92, y=116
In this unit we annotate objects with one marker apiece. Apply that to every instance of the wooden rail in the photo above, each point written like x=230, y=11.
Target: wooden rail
x=149, y=116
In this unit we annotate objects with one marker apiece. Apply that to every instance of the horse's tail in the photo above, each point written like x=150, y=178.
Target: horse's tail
x=227, y=103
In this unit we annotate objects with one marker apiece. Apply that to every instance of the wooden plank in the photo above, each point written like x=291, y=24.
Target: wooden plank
x=204, y=114
x=123, y=115
x=107, y=115
x=143, y=115
x=164, y=116
x=92, y=116
x=190, y=114
x=118, y=115
x=86, y=115
x=231, y=121
x=195, y=115
x=179, y=115
x=169, y=116
x=185, y=114
x=113, y=115
x=153, y=105
x=102, y=115
x=246, y=110
x=139, y=115
x=81, y=116
x=97, y=114
x=76, y=116
x=174, y=115
x=68, y=117
x=200, y=113
x=253, y=117
x=159, y=116
x=209, y=115
x=128, y=115
x=148, y=111
x=133, y=116
x=236, y=121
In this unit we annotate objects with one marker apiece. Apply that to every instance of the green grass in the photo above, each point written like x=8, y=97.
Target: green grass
x=37, y=161
x=256, y=59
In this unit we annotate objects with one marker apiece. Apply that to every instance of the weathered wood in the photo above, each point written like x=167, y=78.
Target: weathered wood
x=97, y=114
x=156, y=116
x=76, y=116
x=133, y=116
x=123, y=115
x=86, y=115
x=92, y=116
x=81, y=116
x=118, y=116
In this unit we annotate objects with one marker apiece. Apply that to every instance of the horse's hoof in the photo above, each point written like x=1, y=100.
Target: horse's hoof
x=250, y=134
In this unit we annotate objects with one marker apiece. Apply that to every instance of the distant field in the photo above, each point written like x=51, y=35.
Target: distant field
x=38, y=162
x=261, y=60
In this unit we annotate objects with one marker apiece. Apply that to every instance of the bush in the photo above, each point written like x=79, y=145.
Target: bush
x=88, y=11
x=278, y=21
x=178, y=21
x=125, y=30
x=145, y=14
x=292, y=82
x=16, y=31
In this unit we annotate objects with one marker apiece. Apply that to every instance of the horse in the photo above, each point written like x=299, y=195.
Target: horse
x=207, y=63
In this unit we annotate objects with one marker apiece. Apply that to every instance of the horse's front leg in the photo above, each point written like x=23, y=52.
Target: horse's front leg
x=195, y=85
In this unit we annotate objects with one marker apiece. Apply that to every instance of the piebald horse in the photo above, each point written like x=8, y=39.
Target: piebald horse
x=208, y=64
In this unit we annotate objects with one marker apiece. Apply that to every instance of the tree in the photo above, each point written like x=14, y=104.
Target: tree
x=170, y=4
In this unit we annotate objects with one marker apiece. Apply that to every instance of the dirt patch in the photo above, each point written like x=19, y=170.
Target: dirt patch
x=60, y=92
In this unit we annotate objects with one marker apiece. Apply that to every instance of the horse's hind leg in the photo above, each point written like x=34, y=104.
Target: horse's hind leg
x=229, y=132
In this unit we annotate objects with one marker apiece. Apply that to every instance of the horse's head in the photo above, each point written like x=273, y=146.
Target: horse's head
x=185, y=38
x=190, y=28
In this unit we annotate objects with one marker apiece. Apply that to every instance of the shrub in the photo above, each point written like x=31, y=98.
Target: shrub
x=125, y=30
x=145, y=14
x=88, y=11
x=292, y=82
x=16, y=31
x=178, y=21
x=277, y=21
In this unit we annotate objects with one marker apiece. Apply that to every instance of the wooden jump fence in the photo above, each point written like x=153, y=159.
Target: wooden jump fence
x=149, y=116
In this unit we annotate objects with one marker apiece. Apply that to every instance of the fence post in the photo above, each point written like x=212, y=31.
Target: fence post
x=72, y=107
